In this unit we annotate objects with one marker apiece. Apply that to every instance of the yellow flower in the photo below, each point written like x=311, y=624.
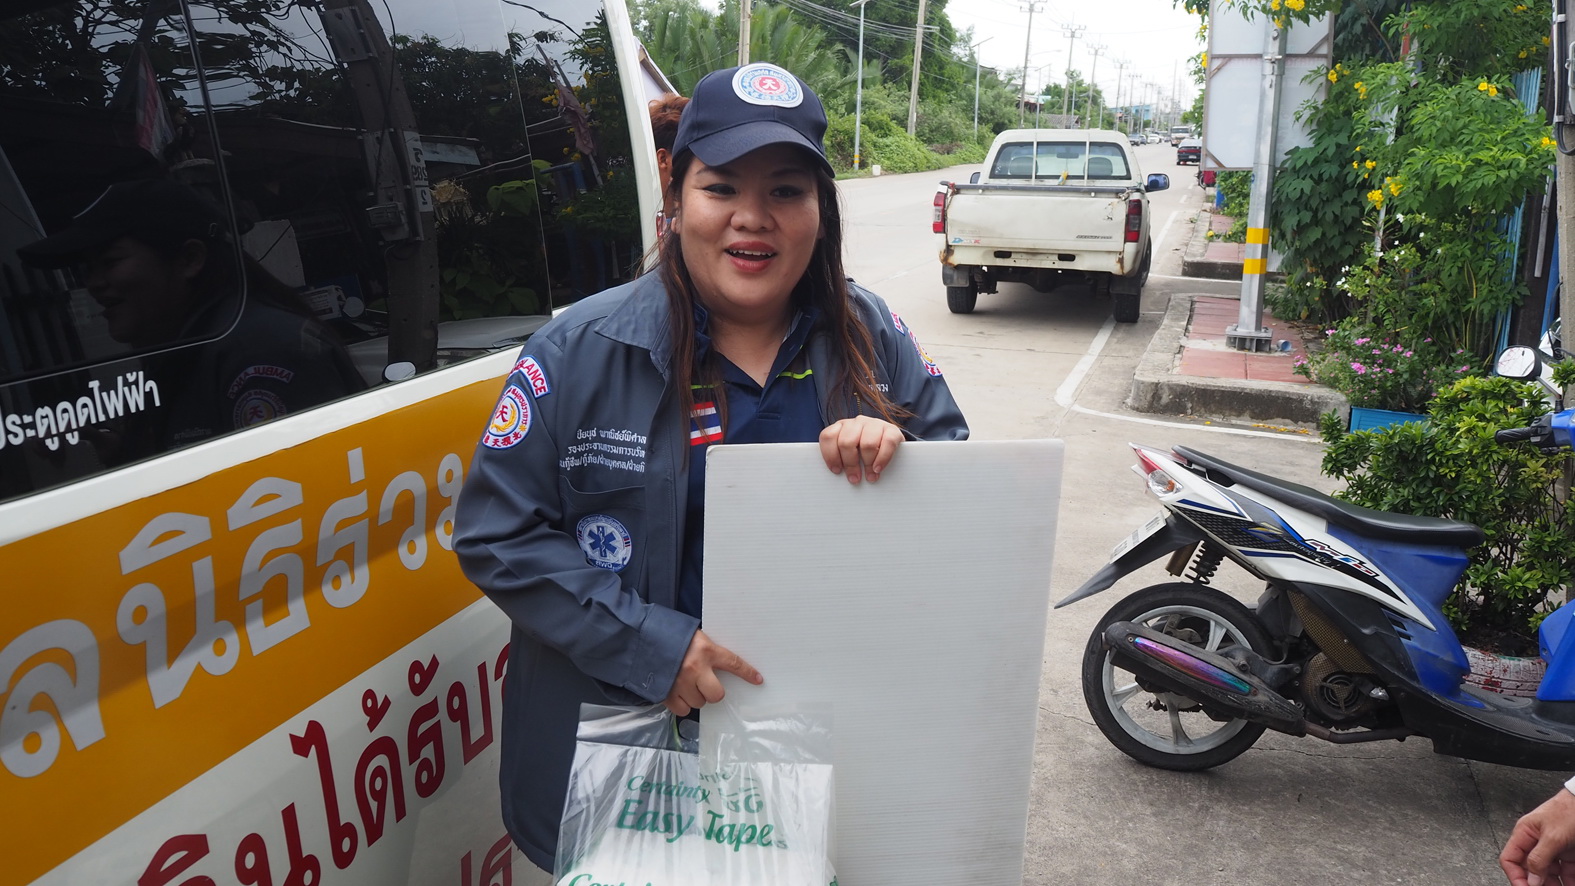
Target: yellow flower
x=1361, y=90
x=1274, y=4
x=1547, y=142
x=1522, y=53
x=1358, y=149
x=1204, y=60
x=1483, y=86
x=1492, y=90
x=1354, y=164
x=1371, y=163
x=1394, y=188
x=1333, y=77
x=1544, y=41
x=1296, y=5
x=1208, y=234
x=1375, y=197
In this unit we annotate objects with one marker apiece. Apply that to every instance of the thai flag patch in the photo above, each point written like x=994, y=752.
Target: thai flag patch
x=705, y=425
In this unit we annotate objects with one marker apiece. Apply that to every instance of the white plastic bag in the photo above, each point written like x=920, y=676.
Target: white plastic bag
x=645, y=809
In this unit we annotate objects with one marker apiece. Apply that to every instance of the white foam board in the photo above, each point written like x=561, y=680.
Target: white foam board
x=914, y=610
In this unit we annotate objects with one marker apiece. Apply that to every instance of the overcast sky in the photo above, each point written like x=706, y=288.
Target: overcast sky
x=1153, y=37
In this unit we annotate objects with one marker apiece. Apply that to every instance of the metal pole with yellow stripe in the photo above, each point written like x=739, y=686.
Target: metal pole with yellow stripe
x=1249, y=333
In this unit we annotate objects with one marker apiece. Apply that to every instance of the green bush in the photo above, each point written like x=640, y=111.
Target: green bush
x=1450, y=466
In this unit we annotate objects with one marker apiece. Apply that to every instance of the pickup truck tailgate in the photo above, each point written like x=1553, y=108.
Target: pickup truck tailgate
x=1038, y=217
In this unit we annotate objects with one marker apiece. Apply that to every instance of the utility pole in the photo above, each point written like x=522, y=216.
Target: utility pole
x=744, y=15
x=1088, y=103
x=975, y=50
x=858, y=95
x=1249, y=333
x=392, y=147
x=1071, y=32
x=1022, y=100
x=913, y=91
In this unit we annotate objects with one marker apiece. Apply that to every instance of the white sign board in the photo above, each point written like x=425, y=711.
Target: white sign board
x=914, y=609
x=1233, y=88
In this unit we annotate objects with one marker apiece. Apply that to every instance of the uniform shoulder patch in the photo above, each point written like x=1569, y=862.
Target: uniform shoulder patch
x=897, y=323
x=510, y=420
x=929, y=363
x=534, y=375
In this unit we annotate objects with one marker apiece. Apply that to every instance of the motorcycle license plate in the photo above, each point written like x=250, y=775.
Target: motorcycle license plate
x=1138, y=537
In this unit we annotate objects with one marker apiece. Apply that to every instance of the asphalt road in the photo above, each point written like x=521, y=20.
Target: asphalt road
x=1289, y=811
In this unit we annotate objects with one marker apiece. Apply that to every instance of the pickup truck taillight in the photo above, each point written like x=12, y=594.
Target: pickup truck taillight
x=1134, y=220
x=938, y=222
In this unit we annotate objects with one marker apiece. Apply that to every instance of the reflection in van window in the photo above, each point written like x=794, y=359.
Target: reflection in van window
x=186, y=251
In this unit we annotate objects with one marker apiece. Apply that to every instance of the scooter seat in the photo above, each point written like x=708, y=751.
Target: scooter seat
x=1366, y=521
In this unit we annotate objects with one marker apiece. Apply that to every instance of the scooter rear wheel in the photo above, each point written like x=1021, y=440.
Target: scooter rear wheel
x=1159, y=728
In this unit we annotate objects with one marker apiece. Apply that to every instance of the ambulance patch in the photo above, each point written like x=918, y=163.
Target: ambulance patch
x=929, y=364
x=257, y=407
x=528, y=367
x=510, y=420
x=767, y=85
x=605, y=541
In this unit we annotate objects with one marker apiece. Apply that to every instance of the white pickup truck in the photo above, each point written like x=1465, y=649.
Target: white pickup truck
x=1051, y=203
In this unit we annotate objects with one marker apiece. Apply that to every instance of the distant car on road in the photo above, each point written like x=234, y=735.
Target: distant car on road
x=1189, y=151
x=1136, y=139
x=1154, y=138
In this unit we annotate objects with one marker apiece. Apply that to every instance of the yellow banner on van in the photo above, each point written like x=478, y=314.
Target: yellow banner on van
x=143, y=645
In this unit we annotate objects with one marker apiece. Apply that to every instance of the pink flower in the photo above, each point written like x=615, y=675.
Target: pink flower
x=1378, y=350
x=1390, y=371
x=1361, y=341
x=1406, y=354
x=1360, y=369
x=1328, y=332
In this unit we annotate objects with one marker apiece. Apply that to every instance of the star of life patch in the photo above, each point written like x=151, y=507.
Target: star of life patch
x=929, y=364
x=510, y=420
x=767, y=85
x=705, y=425
x=605, y=542
x=528, y=367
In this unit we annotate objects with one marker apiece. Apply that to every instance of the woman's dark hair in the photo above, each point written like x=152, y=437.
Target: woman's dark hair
x=824, y=286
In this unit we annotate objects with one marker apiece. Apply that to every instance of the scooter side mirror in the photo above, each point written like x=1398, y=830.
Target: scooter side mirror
x=1518, y=362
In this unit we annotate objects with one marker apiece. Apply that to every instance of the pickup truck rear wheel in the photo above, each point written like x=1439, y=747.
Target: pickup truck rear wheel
x=1126, y=298
x=961, y=299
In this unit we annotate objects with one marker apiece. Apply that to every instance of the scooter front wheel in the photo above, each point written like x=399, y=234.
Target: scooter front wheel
x=1154, y=726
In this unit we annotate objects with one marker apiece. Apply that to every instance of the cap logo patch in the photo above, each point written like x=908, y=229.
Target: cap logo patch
x=767, y=85
x=604, y=541
x=510, y=420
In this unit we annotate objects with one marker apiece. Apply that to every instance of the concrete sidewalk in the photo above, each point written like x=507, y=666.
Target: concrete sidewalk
x=1189, y=369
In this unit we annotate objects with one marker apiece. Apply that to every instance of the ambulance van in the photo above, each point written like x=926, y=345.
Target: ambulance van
x=264, y=265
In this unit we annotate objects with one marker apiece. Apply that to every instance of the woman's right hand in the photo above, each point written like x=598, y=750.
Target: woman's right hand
x=698, y=683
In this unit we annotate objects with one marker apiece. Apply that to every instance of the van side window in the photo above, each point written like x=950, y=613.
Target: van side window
x=185, y=253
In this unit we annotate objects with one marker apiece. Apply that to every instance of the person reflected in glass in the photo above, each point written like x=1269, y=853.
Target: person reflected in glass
x=228, y=345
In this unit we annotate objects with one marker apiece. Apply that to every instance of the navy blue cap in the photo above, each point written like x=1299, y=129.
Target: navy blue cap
x=738, y=110
x=147, y=206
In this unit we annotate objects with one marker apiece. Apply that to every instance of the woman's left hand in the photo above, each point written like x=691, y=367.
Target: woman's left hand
x=859, y=446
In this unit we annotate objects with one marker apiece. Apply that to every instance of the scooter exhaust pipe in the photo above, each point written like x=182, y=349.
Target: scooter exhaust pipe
x=1206, y=677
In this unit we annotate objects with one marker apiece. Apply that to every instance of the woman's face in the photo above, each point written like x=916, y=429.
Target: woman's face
x=146, y=298
x=749, y=228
